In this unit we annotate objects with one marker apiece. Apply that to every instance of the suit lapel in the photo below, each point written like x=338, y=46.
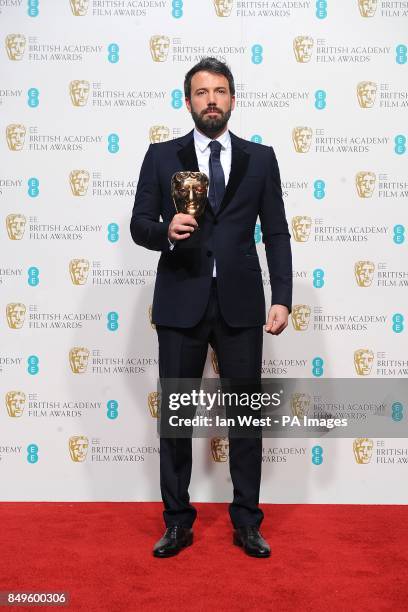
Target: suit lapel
x=188, y=158
x=187, y=154
x=239, y=165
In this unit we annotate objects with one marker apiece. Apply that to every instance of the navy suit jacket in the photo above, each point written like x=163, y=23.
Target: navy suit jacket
x=184, y=274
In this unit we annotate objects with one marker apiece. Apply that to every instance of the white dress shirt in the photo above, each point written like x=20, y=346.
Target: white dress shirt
x=201, y=143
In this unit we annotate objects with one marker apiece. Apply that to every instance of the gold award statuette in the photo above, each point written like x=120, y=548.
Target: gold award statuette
x=78, y=448
x=15, y=401
x=220, y=449
x=15, y=135
x=363, y=450
x=189, y=193
x=79, y=92
x=15, y=46
x=79, y=8
x=223, y=8
x=367, y=7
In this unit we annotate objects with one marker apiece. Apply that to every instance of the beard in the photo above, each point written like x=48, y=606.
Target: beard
x=210, y=126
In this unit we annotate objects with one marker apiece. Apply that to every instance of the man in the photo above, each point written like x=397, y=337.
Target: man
x=213, y=293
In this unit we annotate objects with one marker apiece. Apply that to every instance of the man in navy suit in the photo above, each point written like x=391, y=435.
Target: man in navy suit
x=213, y=293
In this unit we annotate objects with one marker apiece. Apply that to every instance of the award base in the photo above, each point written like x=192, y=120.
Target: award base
x=192, y=242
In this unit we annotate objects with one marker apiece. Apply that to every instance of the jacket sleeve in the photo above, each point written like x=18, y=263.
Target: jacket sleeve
x=145, y=226
x=276, y=236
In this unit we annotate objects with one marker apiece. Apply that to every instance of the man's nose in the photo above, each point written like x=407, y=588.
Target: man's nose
x=191, y=194
x=211, y=98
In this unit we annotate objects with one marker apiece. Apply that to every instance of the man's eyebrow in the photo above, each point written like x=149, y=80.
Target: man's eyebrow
x=206, y=88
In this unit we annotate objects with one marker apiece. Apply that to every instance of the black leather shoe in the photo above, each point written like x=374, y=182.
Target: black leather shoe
x=251, y=541
x=175, y=539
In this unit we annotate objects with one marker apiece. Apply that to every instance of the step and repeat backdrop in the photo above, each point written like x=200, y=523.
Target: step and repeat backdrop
x=86, y=86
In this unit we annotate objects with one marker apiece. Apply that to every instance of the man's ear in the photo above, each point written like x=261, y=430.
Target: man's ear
x=232, y=102
x=188, y=104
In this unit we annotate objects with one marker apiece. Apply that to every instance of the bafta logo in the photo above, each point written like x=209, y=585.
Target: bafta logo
x=219, y=449
x=300, y=317
x=79, y=181
x=150, y=310
x=302, y=138
x=15, y=135
x=364, y=273
x=15, y=314
x=367, y=7
x=365, y=183
x=159, y=133
x=79, y=91
x=363, y=361
x=78, y=448
x=15, y=46
x=300, y=404
x=78, y=270
x=159, y=47
x=214, y=362
x=301, y=226
x=79, y=8
x=303, y=47
x=78, y=359
x=366, y=93
x=15, y=401
x=223, y=8
x=363, y=450
x=153, y=400
x=15, y=224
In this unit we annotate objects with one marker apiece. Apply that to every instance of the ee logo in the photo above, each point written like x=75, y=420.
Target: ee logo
x=177, y=9
x=112, y=409
x=317, y=455
x=112, y=323
x=257, y=51
x=397, y=411
x=32, y=97
x=113, y=143
x=320, y=99
x=33, y=276
x=32, y=453
x=397, y=323
x=319, y=189
x=32, y=365
x=317, y=369
x=318, y=278
x=321, y=9
x=177, y=98
x=113, y=232
x=33, y=187
x=113, y=53
x=399, y=234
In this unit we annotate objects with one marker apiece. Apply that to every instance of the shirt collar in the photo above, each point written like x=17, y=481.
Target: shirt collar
x=202, y=141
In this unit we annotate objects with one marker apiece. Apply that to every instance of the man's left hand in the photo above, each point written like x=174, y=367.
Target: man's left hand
x=277, y=319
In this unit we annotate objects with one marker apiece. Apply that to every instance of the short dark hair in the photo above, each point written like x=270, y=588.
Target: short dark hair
x=209, y=64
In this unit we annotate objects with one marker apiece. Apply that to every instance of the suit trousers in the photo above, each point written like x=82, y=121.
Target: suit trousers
x=182, y=354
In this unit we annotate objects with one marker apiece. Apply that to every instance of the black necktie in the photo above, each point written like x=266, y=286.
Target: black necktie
x=217, y=179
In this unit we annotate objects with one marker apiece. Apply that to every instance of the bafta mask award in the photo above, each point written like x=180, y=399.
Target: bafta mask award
x=189, y=193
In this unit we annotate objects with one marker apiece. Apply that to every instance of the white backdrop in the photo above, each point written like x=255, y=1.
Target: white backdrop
x=86, y=85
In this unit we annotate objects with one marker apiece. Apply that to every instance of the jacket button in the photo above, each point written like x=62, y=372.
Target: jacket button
x=209, y=253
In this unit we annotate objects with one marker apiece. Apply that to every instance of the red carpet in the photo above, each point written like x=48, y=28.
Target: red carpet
x=323, y=558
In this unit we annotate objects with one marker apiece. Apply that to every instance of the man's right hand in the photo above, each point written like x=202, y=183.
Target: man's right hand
x=181, y=227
